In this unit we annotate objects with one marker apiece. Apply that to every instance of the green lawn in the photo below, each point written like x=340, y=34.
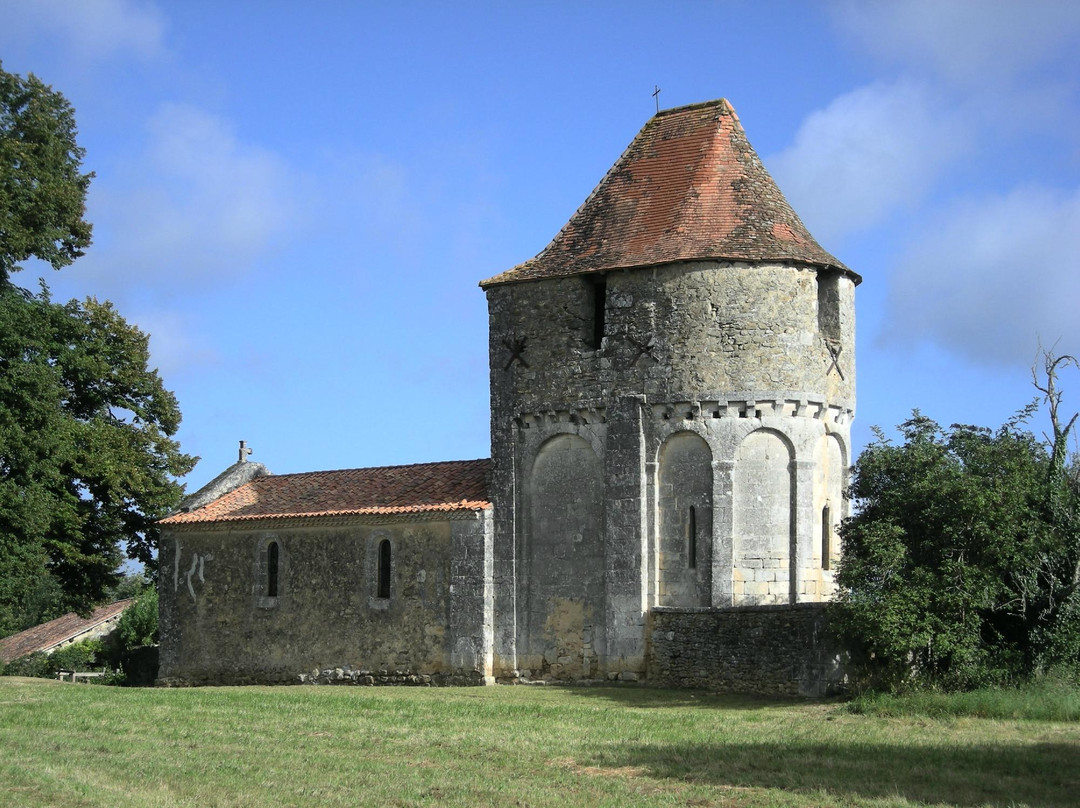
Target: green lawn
x=84, y=745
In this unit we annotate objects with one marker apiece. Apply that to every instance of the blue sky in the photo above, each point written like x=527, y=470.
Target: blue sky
x=297, y=200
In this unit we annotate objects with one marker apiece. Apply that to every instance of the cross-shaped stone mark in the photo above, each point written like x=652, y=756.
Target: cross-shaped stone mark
x=834, y=352
x=516, y=346
x=643, y=348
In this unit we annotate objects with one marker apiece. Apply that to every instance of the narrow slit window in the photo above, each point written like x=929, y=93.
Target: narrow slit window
x=383, y=587
x=272, y=570
x=826, y=538
x=691, y=530
x=599, y=288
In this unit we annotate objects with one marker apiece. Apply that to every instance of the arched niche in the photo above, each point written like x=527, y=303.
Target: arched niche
x=762, y=519
x=684, y=505
x=564, y=559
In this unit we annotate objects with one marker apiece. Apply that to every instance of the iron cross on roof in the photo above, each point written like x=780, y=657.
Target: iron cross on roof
x=656, y=97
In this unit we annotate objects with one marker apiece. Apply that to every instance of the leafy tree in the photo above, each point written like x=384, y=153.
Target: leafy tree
x=42, y=189
x=961, y=566
x=87, y=459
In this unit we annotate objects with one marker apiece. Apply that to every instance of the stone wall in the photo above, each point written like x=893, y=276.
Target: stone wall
x=226, y=618
x=669, y=331
x=760, y=650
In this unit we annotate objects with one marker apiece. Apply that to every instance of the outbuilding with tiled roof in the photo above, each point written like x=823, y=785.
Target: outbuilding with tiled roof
x=65, y=630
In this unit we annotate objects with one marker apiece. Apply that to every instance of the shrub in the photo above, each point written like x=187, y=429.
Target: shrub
x=961, y=568
x=139, y=623
x=35, y=665
x=79, y=656
x=87, y=655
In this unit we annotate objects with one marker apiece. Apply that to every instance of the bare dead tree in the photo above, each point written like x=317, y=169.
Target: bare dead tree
x=1052, y=365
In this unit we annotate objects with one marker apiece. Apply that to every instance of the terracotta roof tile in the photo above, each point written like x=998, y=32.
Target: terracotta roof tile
x=689, y=187
x=51, y=634
x=423, y=487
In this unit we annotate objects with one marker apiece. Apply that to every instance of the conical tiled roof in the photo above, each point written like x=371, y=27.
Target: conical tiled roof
x=689, y=187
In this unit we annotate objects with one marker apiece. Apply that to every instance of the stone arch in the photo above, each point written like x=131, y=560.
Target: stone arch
x=763, y=535
x=684, y=509
x=564, y=560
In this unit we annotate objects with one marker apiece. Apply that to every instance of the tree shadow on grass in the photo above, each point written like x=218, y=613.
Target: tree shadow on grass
x=1046, y=774
x=636, y=696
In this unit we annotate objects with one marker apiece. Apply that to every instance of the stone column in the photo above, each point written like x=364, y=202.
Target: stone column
x=625, y=541
x=723, y=558
x=804, y=578
x=503, y=487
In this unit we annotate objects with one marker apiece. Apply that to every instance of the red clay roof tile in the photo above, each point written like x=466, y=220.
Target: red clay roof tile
x=51, y=634
x=423, y=487
x=689, y=187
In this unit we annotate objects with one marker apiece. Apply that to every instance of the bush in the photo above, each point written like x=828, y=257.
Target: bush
x=139, y=623
x=88, y=655
x=960, y=568
x=35, y=665
x=79, y=656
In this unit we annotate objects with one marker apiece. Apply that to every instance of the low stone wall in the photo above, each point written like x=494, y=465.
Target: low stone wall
x=354, y=676
x=761, y=650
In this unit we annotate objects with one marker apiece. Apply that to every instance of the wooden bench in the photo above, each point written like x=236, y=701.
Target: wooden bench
x=76, y=675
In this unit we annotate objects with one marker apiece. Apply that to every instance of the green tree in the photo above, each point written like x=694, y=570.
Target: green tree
x=42, y=188
x=961, y=565
x=87, y=459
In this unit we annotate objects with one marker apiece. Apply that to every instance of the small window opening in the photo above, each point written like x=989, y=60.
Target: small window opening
x=828, y=289
x=692, y=536
x=826, y=538
x=383, y=587
x=599, y=304
x=272, y=570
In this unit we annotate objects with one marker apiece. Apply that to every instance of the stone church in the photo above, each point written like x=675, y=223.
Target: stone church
x=672, y=388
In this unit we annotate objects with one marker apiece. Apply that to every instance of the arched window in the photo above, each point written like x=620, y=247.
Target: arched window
x=272, y=569
x=382, y=589
x=826, y=538
x=691, y=529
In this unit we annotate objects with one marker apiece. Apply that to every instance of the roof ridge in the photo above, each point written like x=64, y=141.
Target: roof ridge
x=723, y=103
x=375, y=468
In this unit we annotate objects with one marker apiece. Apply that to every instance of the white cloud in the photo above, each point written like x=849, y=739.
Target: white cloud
x=870, y=152
x=967, y=42
x=993, y=277
x=90, y=29
x=197, y=203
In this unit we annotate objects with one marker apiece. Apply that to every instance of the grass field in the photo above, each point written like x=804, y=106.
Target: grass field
x=83, y=745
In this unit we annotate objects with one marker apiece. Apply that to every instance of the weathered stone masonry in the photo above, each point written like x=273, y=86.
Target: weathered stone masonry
x=764, y=650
